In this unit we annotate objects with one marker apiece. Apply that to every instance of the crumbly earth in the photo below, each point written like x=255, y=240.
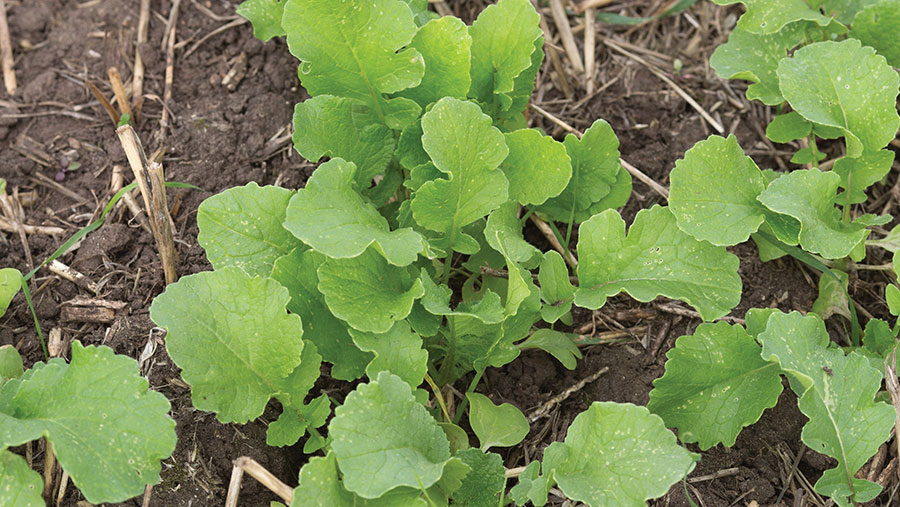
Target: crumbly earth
x=221, y=136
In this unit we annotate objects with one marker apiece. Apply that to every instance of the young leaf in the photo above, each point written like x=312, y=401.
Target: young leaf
x=436, y=300
x=399, y=351
x=338, y=127
x=788, y=127
x=495, y=426
x=844, y=85
x=332, y=217
x=462, y=143
x=877, y=25
x=320, y=485
x=556, y=289
x=833, y=298
x=108, y=430
x=598, y=180
x=20, y=486
x=265, y=15
x=232, y=338
x=445, y=45
x=383, y=439
x=521, y=493
x=353, y=50
x=241, y=227
x=483, y=484
x=504, y=232
x=293, y=421
x=420, y=10
x=557, y=344
x=837, y=396
x=754, y=57
x=808, y=196
x=770, y=16
x=616, y=454
x=10, y=283
x=715, y=384
x=367, y=292
x=713, y=192
x=656, y=258
x=10, y=364
x=297, y=273
x=503, y=42
x=859, y=173
x=537, y=166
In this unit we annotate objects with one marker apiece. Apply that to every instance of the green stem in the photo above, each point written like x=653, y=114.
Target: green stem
x=559, y=237
x=447, y=364
x=465, y=401
x=815, y=151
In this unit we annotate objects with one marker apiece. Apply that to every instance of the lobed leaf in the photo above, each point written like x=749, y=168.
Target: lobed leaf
x=847, y=86
x=836, y=393
x=656, y=258
x=484, y=483
x=232, y=338
x=616, y=454
x=108, y=430
x=489, y=309
x=857, y=174
x=378, y=451
x=770, y=16
x=877, y=25
x=501, y=425
x=20, y=486
x=715, y=384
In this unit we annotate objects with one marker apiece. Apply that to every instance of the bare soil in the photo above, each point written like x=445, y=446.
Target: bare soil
x=223, y=136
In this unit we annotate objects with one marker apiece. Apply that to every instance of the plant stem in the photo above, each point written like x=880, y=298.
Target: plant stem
x=438, y=396
x=814, y=150
x=465, y=401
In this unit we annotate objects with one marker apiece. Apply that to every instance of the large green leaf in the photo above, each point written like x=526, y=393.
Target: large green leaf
x=537, y=166
x=108, y=430
x=501, y=425
x=656, y=258
x=878, y=25
x=241, y=227
x=713, y=192
x=808, y=196
x=332, y=217
x=367, y=292
x=297, y=273
x=445, y=45
x=20, y=486
x=504, y=41
x=399, y=351
x=265, y=15
x=616, y=454
x=329, y=126
x=462, y=143
x=755, y=57
x=847, y=86
x=232, y=338
x=383, y=439
x=770, y=16
x=10, y=283
x=836, y=394
x=598, y=180
x=353, y=50
x=715, y=384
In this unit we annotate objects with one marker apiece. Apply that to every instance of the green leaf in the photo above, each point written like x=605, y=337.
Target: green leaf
x=557, y=344
x=713, y=192
x=770, y=16
x=445, y=45
x=503, y=42
x=788, y=127
x=22, y=486
x=891, y=242
x=232, y=338
x=878, y=25
x=265, y=15
x=537, y=166
x=108, y=430
x=292, y=423
x=844, y=85
x=495, y=426
x=892, y=295
x=837, y=393
x=420, y=10
x=436, y=300
x=332, y=217
x=844, y=10
x=320, y=485
x=399, y=351
x=754, y=57
x=10, y=364
x=337, y=127
x=656, y=258
x=715, y=384
x=598, y=180
x=367, y=292
x=504, y=232
x=354, y=50
x=879, y=340
x=484, y=483
x=857, y=174
x=616, y=454
x=832, y=298
x=298, y=273
x=556, y=288
x=462, y=143
x=521, y=493
x=382, y=439
x=10, y=283
x=241, y=227
x=808, y=196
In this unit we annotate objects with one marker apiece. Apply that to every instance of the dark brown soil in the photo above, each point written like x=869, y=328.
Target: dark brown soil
x=220, y=138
